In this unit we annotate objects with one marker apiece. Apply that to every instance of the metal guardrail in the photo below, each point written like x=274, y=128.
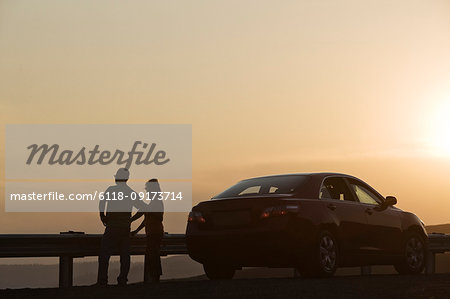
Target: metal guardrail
x=77, y=244
x=437, y=243
x=70, y=245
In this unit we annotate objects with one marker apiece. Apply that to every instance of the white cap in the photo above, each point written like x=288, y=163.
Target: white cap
x=122, y=174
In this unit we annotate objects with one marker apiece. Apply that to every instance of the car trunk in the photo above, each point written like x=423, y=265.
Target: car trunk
x=236, y=213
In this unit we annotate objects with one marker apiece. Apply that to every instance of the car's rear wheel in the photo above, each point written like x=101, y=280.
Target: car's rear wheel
x=323, y=260
x=218, y=271
x=413, y=256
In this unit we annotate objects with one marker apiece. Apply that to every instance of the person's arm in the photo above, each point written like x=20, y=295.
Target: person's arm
x=139, y=205
x=141, y=226
x=136, y=216
x=103, y=218
x=101, y=208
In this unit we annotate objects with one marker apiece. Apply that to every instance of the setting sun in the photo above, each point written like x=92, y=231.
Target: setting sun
x=439, y=131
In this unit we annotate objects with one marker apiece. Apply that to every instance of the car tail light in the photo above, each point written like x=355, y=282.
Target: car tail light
x=195, y=216
x=279, y=211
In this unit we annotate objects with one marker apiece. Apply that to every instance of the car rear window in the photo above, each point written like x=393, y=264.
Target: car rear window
x=283, y=184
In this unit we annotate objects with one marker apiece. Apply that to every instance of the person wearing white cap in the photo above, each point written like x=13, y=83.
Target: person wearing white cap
x=118, y=201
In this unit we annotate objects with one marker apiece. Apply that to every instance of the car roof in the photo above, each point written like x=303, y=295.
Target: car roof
x=318, y=175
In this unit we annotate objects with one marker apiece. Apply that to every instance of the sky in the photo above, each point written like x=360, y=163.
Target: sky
x=357, y=87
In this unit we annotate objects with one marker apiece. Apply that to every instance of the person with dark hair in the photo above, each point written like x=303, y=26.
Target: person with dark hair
x=117, y=221
x=154, y=230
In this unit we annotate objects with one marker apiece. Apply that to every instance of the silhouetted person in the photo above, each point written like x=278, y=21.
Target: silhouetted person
x=154, y=230
x=117, y=221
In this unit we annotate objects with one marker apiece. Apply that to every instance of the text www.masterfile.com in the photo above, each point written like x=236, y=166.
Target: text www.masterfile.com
x=61, y=196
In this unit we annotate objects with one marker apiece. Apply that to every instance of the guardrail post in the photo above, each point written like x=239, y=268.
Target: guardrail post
x=367, y=270
x=430, y=263
x=65, y=271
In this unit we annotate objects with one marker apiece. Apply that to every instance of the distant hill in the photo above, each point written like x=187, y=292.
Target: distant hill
x=85, y=273
x=440, y=228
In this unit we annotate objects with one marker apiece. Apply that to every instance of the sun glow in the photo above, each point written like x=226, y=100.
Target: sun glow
x=439, y=131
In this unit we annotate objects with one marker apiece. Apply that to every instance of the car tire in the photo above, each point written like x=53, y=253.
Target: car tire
x=413, y=255
x=323, y=259
x=218, y=271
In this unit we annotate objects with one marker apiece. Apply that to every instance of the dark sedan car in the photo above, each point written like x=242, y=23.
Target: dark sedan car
x=315, y=222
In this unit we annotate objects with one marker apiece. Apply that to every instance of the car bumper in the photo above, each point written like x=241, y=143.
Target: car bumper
x=275, y=247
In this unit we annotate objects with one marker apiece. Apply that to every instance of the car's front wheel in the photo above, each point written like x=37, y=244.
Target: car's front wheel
x=323, y=260
x=218, y=271
x=413, y=256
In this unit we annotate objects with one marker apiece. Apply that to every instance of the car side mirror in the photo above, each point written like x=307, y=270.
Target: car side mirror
x=390, y=201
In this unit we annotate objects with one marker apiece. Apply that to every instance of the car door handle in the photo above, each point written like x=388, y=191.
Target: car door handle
x=331, y=206
x=369, y=211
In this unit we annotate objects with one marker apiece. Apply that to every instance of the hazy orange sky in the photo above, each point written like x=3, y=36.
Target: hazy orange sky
x=359, y=87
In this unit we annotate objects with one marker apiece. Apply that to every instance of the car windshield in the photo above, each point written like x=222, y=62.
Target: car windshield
x=283, y=184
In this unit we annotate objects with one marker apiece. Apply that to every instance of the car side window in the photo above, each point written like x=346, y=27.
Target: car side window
x=335, y=188
x=250, y=190
x=364, y=194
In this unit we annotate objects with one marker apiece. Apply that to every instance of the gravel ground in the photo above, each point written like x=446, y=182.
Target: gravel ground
x=373, y=286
